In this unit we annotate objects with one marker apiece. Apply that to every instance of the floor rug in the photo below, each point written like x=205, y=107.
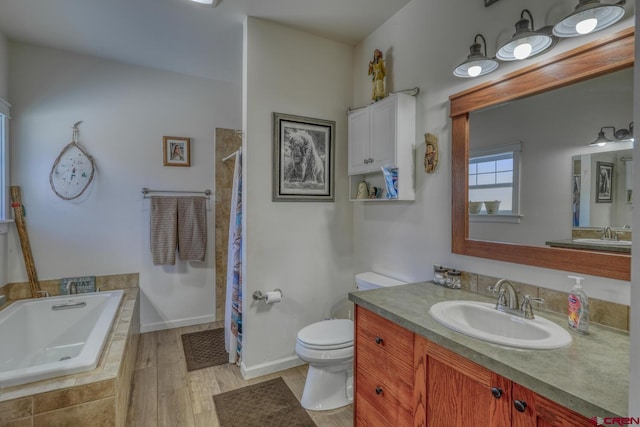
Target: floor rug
x=204, y=349
x=269, y=403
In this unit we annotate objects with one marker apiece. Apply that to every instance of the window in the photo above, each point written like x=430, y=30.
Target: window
x=494, y=174
x=4, y=160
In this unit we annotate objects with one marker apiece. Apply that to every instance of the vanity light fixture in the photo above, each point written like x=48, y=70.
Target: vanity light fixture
x=526, y=42
x=477, y=63
x=619, y=135
x=589, y=16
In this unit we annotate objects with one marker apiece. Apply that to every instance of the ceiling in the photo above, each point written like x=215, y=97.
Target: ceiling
x=179, y=35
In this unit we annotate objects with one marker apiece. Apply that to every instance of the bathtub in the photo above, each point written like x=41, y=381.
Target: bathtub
x=49, y=337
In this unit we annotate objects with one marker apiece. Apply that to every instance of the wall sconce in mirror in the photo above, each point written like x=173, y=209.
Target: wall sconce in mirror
x=477, y=63
x=619, y=135
x=526, y=42
x=589, y=16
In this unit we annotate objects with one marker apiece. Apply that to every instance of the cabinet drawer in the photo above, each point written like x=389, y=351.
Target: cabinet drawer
x=384, y=370
x=384, y=409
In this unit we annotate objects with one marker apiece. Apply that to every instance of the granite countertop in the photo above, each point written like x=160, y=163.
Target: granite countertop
x=572, y=244
x=590, y=376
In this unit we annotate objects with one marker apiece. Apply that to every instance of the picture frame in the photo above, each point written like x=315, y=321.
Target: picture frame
x=604, y=182
x=303, y=159
x=176, y=151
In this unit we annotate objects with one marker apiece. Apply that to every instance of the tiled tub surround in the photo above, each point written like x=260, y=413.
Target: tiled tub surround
x=601, y=312
x=98, y=397
x=590, y=376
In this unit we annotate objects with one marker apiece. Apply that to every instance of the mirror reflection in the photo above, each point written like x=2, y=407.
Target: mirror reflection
x=550, y=134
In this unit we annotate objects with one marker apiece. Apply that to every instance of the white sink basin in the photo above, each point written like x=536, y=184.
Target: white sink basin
x=482, y=321
x=604, y=242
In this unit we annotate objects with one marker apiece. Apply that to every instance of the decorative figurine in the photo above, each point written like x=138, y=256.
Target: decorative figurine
x=431, y=153
x=378, y=72
x=363, y=190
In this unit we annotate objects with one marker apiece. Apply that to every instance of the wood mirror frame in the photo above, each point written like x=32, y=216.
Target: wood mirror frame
x=608, y=54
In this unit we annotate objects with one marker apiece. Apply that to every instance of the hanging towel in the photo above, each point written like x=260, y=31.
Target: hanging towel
x=192, y=228
x=164, y=224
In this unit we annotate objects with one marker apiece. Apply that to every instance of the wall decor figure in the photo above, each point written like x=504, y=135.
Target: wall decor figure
x=431, y=152
x=378, y=72
x=303, y=158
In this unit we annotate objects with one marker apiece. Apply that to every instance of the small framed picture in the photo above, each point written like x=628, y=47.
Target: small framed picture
x=303, y=159
x=604, y=182
x=176, y=151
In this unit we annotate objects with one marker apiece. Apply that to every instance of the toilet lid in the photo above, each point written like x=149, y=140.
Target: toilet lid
x=327, y=333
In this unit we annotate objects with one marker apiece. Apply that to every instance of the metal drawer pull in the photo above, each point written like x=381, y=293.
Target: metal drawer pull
x=379, y=340
x=378, y=390
x=68, y=305
x=496, y=392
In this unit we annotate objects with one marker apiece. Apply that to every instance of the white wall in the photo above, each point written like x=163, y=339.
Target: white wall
x=423, y=47
x=304, y=248
x=126, y=110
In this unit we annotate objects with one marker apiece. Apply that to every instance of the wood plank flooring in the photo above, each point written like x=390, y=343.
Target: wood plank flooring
x=164, y=394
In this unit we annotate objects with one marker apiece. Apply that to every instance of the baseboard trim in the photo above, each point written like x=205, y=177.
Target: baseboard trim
x=160, y=326
x=269, y=367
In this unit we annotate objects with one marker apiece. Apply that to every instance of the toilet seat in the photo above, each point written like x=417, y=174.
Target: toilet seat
x=327, y=335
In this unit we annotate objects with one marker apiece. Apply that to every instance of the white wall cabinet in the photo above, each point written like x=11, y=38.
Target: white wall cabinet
x=382, y=134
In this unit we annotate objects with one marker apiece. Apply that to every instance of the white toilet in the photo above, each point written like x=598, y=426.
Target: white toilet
x=328, y=348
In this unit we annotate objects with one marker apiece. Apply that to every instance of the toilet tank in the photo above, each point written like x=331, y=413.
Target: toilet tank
x=371, y=280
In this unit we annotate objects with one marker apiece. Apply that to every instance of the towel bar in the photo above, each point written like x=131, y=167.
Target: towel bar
x=146, y=191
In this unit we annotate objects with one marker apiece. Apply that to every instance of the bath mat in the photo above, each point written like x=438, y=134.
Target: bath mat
x=204, y=349
x=269, y=403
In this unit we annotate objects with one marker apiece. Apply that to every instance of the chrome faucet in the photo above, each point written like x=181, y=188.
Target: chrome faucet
x=501, y=304
x=609, y=234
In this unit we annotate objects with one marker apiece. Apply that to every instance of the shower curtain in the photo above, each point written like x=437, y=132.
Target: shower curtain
x=233, y=303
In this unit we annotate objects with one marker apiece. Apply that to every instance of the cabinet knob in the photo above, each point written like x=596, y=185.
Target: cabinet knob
x=520, y=405
x=370, y=160
x=378, y=390
x=366, y=161
x=496, y=392
x=379, y=340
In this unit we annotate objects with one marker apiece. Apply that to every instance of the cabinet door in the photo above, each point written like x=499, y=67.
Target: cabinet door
x=532, y=410
x=463, y=393
x=383, y=133
x=359, y=141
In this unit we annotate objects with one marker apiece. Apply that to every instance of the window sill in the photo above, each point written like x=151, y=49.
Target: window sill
x=4, y=225
x=507, y=218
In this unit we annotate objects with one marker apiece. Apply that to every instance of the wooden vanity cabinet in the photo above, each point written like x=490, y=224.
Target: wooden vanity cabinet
x=403, y=379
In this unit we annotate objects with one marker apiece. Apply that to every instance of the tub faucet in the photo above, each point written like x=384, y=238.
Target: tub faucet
x=501, y=304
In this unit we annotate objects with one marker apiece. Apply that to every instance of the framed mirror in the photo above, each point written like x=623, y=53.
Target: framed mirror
x=602, y=57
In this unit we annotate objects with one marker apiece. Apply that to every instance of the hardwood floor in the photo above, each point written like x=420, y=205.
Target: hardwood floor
x=164, y=394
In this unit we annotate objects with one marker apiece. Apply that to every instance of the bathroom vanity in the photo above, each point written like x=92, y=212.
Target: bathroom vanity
x=410, y=370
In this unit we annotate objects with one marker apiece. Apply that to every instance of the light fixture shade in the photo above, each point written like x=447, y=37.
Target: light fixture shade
x=589, y=16
x=212, y=3
x=525, y=43
x=477, y=63
x=601, y=141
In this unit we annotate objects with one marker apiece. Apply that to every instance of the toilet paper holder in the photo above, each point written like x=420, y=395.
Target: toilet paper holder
x=259, y=296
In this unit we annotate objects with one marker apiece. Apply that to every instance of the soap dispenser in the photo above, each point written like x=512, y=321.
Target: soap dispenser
x=578, y=307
